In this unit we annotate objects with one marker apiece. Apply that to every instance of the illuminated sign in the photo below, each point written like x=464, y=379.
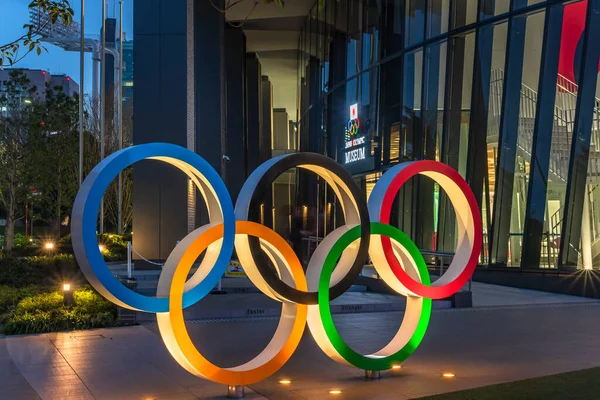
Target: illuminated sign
x=352, y=130
x=354, y=111
x=355, y=155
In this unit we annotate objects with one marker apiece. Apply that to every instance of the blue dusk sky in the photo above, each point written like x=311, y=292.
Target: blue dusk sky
x=15, y=13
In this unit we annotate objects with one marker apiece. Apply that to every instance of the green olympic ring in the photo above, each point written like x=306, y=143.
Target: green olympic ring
x=401, y=347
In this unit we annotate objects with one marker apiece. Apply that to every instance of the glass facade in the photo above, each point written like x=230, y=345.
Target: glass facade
x=480, y=85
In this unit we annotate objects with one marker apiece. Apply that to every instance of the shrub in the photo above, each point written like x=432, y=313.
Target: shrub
x=10, y=296
x=45, y=271
x=115, y=246
x=21, y=240
x=46, y=313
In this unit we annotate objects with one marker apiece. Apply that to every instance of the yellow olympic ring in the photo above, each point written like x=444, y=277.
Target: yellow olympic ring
x=289, y=330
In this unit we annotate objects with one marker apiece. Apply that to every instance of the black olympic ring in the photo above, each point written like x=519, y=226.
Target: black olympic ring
x=258, y=184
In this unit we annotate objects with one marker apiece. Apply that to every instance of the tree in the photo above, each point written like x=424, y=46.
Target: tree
x=58, y=11
x=111, y=144
x=53, y=154
x=16, y=101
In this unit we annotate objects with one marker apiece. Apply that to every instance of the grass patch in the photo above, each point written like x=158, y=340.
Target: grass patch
x=581, y=385
x=45, y=312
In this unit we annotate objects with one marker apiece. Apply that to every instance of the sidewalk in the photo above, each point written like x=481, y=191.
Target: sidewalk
x=481, y=346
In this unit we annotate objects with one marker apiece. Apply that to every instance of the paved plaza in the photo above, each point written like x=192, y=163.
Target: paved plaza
x=488, y=344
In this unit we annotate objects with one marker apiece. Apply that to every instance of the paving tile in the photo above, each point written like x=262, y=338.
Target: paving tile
x=481, y=346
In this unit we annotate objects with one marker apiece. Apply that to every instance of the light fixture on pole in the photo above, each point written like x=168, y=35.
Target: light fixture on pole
x=67, y=294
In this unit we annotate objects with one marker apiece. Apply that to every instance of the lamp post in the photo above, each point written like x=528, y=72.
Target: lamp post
x=67, y=294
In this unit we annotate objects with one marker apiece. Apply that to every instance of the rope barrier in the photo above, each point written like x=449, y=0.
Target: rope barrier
x=145, y=259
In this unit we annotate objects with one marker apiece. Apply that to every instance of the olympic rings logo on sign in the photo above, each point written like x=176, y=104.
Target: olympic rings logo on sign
x=353, y=126
x=305, y=298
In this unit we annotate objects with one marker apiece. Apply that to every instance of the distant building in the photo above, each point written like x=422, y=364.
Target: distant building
x=128, y=73
x=41, y=79
x=68, y=85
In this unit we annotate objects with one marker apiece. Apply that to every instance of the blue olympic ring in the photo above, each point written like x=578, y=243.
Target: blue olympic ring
x=85, y=217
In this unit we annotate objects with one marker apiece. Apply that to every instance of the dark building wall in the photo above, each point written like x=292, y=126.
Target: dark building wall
x=159, y=191
x=253, y=112
x=235, y=63
x=208, y=23
x=110, y=73
x=266, y=142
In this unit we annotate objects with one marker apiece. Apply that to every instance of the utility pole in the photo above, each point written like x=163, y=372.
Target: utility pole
x=81, y=84
x=120, y=117
x=102, y=101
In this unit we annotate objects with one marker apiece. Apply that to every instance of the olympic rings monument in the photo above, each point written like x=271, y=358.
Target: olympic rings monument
x=305, y=297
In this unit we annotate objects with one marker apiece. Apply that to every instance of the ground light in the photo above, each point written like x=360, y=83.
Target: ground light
x=101, y=248
x=335, y=391
x=448, y=375
x=396, y=367
x=67, y=294
x=587, y=267
x=49, y=246
x=285, y=381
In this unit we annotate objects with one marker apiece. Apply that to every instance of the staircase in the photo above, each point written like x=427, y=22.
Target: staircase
x=564, y=119
x=562, y=133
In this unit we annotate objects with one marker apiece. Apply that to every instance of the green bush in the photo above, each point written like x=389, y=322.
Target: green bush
x=23, y=246
x=44, y=271
x=115, y=246
x=10, y=296
x=21, y=240
x=46, y=313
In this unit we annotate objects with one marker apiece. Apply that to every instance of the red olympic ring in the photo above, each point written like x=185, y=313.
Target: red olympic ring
x=572, y=30
x=472, y=236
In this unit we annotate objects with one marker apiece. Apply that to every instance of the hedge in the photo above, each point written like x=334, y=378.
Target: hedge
x=20, y=272
x=46, y=312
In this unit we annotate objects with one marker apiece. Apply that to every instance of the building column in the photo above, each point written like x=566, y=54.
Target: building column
x=582, y=131
x=477, y=168
x=161, y=97
x=253, y=112
x=542, y=143
x=453, y=106
x=586, y=233
x=235, y=57
x=507, y=141
x=266, y=145
x=209, y=30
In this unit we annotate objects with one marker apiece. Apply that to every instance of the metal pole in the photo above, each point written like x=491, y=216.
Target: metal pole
x=81, y=82
x=129, y=266
x=120, y=117
x=95, y=60
x=26, y=221
x=317, y=216
x=102, y=101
